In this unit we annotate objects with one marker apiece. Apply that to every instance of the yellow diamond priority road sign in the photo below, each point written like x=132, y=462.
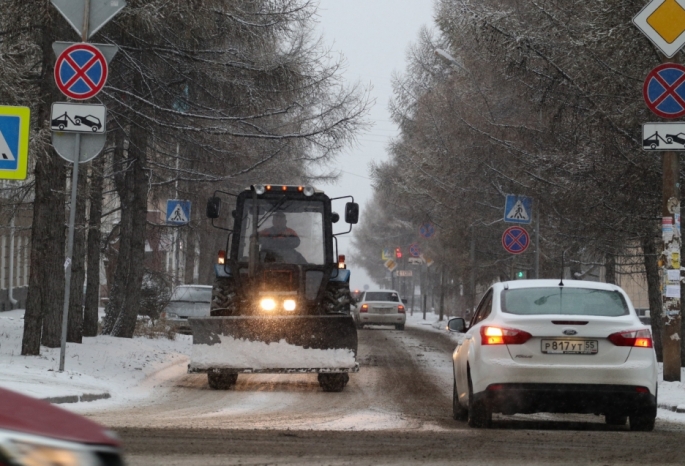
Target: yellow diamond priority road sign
x=663, y=22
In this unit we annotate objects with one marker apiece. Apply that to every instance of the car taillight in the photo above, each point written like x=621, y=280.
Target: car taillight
x=639, y=338
x=221, y=260
x=365, y=308
x=400, y=309
x=503, y=336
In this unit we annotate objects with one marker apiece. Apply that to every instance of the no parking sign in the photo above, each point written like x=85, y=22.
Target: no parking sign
x=515, y=240
x=81, y=71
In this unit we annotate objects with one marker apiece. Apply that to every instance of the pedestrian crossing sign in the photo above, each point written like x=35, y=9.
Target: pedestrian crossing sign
x=14, y=142
x=518, y=209
x=177, y=212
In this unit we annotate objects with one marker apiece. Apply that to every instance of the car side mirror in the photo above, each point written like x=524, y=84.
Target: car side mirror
x=456, y=324
x=352, y=213
x=213, y=207
x=335, y=217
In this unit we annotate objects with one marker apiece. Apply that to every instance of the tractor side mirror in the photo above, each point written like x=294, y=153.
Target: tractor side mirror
x=213, y=207
x=335, y=217
x=352, y=213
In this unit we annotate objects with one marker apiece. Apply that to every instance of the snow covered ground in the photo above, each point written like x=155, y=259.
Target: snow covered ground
x=123, y=368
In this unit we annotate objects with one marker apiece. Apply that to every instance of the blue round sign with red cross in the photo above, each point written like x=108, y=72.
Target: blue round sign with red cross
x=664, y=90
x=427, y=230
x=81, y=71
x=415, y=250
x=515, y=240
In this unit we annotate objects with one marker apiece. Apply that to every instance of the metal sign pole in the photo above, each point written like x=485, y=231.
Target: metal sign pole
x=70, y=250
x=72, y=219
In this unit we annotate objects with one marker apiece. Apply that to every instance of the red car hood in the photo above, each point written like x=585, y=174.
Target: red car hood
x=21, y=413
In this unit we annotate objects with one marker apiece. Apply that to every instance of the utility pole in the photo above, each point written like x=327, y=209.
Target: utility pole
x=537, y=240
x=472, y=285
x=442, y=292
x=670, y=260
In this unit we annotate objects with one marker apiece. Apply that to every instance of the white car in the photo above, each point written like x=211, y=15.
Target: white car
x=558, y=347
x=380, y=307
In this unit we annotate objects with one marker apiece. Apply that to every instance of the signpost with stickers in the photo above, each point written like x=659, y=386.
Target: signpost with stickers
x=663, y=23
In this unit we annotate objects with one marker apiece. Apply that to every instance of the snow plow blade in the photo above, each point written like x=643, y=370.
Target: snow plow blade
x=274, y=344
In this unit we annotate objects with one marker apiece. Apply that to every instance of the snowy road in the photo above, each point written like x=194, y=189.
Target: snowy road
x=395, y=389
x=395, y=411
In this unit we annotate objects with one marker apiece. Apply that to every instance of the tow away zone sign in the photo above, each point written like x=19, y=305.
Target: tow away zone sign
x=663, y=136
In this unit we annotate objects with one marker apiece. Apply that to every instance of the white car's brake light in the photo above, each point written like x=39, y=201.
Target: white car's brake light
x=364, y=308
x=636, y=338
x=400, y=309
x=503, y=336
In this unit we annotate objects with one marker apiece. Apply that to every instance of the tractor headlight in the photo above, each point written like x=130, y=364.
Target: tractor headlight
x=289, y=304
x=259, y=189
x=268, y=304
x=308, y=190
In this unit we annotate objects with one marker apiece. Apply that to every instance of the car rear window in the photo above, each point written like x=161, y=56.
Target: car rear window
x=192, y=294
x=565, y=301
x=381, y=296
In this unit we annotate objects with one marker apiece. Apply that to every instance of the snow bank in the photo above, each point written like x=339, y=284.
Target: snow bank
x=432, y=324
x=127, y=369
x=245, y=354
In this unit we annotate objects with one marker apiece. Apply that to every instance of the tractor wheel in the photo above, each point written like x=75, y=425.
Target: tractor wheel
x=333, y=382
x=337, y=299
x=221, y=380
x=223, y=297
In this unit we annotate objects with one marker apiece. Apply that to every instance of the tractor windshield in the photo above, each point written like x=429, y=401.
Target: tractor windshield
x=287, y=231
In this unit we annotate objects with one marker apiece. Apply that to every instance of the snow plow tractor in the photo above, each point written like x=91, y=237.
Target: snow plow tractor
x=281, y=297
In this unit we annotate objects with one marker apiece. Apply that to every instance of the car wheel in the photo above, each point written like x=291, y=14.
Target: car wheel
x=95, y=129
x=61, y=126
x=399, y=327
x=221, y=380
x=77, y=121
x=333, y=382
x=669, y=140
x=459, y=413
x=643, y=422
x=614, y=420
x=480, y=415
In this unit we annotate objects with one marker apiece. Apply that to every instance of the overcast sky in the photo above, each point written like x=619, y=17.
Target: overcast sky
x=373, y=36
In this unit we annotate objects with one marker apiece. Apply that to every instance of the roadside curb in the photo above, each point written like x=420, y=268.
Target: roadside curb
x=673, y=408
x=77, y=398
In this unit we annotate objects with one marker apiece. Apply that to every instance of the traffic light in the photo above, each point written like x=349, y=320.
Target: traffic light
x=521, y=275
x=398, y=253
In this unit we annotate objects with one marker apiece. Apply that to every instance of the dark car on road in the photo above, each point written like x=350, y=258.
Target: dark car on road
x=34, y=432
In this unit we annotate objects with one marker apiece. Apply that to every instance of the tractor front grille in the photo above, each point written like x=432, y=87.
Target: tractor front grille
x=279, y=280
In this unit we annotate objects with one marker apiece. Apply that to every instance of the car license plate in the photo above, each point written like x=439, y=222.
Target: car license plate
x=570, y=346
